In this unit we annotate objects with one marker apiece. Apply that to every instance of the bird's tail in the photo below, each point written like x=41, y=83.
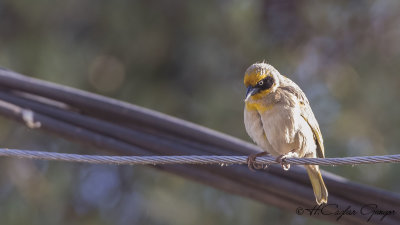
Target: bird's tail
x=320, y=191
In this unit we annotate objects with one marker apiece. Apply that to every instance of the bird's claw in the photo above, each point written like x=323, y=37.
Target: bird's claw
x=282, y=159
x=252, y=164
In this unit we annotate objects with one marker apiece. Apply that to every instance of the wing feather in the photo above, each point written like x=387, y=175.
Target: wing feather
x=306, y=112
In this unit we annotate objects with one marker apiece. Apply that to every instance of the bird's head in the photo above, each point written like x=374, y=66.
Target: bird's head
x=260, y=80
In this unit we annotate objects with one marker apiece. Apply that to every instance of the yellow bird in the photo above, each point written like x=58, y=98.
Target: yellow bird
x=279, y=119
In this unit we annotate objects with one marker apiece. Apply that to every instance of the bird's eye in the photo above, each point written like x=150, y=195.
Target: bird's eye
x=266, y=83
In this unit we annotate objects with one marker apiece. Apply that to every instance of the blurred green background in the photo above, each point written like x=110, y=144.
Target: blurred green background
x=187, y=59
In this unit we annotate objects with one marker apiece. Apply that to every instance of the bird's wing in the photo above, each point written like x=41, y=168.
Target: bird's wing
x=306, y=113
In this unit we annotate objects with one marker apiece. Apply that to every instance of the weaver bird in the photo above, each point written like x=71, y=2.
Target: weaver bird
x=279, y=119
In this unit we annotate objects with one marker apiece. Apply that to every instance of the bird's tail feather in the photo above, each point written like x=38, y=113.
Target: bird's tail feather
x=318, y=185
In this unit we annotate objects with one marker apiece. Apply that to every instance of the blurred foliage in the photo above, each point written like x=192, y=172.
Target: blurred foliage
x=186, y=59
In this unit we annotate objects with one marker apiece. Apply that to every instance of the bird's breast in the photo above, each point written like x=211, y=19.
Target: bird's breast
x=255, y=128
x=280, y=127
x=260, y=108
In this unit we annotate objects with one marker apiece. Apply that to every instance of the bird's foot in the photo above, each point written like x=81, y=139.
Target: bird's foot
x=252, y=164
x=282, y=159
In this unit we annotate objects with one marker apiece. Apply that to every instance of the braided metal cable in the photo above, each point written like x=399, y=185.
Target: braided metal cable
x=192, y=159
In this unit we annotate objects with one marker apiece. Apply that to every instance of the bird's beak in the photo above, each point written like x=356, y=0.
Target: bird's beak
x=250, y=91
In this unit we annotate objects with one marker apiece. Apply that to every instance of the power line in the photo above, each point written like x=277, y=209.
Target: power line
x=191, y=159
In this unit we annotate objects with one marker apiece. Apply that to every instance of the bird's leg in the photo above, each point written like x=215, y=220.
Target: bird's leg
x=282, y=159
x=251, y=161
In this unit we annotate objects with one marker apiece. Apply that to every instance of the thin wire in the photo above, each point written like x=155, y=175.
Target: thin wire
x=191, y=159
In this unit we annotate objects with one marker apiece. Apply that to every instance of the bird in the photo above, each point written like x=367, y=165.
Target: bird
x=279, y=119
